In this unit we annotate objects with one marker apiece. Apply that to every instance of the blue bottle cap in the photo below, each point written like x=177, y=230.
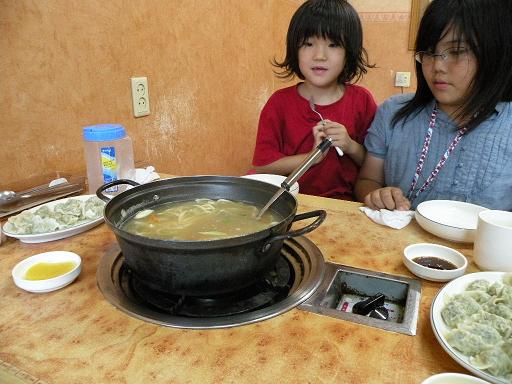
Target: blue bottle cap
x=104, y=132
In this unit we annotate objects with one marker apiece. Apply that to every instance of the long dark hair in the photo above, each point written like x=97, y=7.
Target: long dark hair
x=486, y=26
x=335, y=20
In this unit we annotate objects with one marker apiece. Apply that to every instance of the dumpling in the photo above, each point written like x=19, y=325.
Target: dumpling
x=65, y=219
x=43, y=212
x=93, y=208
x=493, y=360
x=481, y=297
x=499, y=309
x=505, y=296
x=70, y=207
x=478, y=285
x=458, y=308
x=22, y=223
x=473, y=338
x=48, y=224
x=495, y=288
x=503, y=326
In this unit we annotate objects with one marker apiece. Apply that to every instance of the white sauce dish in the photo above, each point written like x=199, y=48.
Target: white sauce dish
x=46, y=272
x=441, y=254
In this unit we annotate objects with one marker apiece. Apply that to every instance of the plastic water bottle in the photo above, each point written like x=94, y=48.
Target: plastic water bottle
x=108, y=155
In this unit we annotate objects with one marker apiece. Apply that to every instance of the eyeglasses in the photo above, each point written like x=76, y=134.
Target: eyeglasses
x=449, y=56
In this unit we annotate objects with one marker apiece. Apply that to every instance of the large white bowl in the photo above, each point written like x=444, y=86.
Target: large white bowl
x=451, y=220
x=274, y=180
x=435, y=250
x=47, y=285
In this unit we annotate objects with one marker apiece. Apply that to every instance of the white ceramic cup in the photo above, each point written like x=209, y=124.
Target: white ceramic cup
x=493, y=241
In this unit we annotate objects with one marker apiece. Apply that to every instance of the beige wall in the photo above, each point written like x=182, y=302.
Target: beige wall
x=67, y=63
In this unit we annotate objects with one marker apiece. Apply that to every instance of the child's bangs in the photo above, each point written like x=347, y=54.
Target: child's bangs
x=319, y=27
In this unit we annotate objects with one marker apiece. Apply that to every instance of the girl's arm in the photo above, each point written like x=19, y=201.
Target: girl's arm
x=284, y=166
x=370, y=187
x=356, y=152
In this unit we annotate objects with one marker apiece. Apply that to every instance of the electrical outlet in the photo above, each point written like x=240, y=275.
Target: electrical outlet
x=140, y=96
x=403, y=79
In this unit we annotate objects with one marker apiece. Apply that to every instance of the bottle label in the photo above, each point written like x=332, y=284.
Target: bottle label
x=109, y=167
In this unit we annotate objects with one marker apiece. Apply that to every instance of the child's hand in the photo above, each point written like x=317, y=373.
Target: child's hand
x=319, y=135
x=339, y=135
x=389, y=198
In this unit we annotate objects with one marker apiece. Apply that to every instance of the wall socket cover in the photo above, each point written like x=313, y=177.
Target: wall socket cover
x=140, y=96
x=403, y=79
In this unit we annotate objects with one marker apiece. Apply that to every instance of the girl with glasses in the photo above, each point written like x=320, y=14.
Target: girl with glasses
x=452, y=138
x=324, y=49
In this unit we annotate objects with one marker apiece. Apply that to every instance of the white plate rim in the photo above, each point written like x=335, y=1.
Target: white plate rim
x=455, y=286
x=56, y=235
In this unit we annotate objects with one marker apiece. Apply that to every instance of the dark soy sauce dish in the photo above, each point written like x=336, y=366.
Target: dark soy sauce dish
x=434, y=262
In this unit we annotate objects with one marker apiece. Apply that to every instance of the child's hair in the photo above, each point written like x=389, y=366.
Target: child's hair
x=486, y=27
x=335, y=20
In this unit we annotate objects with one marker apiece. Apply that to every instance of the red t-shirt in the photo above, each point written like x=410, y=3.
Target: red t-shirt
x=285, y=129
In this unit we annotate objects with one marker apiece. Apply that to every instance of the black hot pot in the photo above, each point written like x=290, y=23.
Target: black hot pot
x=202, y=268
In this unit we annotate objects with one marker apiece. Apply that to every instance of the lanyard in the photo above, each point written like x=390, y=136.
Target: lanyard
x=423, y=155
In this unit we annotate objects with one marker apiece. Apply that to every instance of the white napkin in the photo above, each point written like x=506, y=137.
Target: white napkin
x=394, y=219
x=145, y=175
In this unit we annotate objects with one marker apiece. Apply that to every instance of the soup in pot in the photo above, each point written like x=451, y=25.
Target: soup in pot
x=200, y=219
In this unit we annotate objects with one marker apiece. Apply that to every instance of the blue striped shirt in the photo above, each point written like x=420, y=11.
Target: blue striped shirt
x=478, y=171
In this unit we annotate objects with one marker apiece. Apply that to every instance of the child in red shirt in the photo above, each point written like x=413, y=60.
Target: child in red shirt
x=324, y=49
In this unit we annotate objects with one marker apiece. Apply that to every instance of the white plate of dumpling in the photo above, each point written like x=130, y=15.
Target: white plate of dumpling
x=471, y=317
x=56, y=220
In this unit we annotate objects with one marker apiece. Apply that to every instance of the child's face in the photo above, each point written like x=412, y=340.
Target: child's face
x=450, y=79
x=321, y=61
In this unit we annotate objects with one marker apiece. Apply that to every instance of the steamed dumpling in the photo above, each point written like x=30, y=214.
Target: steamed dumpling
x=472, y=338
x=458, y=309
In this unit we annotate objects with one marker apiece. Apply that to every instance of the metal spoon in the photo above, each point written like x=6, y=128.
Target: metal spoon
x=313, y=108
x=6, y=195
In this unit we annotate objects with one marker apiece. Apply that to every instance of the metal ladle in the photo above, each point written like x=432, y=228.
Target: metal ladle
x=298, y=172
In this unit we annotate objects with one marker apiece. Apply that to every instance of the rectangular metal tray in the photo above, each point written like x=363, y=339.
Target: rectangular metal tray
x=342, y=285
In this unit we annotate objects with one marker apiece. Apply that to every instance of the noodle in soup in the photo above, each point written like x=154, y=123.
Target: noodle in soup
x=200, y=219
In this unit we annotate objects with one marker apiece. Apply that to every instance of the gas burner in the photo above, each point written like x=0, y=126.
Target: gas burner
x=297, y=274
x=272, y=288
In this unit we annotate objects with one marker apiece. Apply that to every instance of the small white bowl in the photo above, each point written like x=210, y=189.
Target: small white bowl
x=47, y=285
x=274, y=180
x=453, y=378
x=435, y=250
x=451, y=220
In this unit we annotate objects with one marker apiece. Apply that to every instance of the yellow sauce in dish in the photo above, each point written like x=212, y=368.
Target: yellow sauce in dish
x=43, y=271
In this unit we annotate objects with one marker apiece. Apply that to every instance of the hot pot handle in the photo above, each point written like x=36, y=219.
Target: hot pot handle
x=104, y=187
x=299, y=232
